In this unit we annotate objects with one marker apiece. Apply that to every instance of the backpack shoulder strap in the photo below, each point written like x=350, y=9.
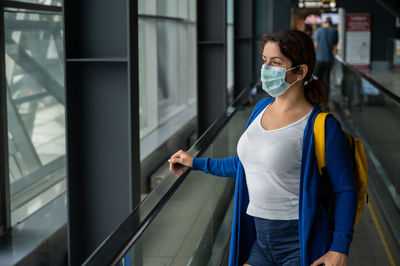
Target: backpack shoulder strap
x=319, y=140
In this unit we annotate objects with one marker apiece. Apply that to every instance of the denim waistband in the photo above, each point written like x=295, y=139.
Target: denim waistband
x=275, y=225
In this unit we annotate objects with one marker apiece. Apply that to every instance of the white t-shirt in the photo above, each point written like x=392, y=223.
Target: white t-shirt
x=272, y=163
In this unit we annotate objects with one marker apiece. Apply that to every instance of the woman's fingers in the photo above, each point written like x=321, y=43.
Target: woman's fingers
x=177, y=160
x=181, y=157
x=178, y=169
x=318, y=262
x=179, y=153
x=331, y=258
x=176, y=154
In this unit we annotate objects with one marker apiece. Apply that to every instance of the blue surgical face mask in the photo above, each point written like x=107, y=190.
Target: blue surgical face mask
x=273, y=80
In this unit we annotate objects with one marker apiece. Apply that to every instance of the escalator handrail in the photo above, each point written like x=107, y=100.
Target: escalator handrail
x=119, y=242
x=367, y=77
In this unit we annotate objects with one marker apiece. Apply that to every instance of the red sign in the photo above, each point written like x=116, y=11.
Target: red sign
x=358, y=22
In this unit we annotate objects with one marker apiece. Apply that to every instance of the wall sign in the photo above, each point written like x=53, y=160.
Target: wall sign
x=358, y=40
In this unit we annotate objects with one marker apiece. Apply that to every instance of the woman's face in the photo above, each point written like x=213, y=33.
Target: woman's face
x=272, y=56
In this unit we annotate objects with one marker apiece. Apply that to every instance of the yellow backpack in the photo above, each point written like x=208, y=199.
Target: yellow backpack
x=357, y=152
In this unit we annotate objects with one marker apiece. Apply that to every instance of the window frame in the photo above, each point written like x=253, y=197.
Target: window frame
x=5, y=196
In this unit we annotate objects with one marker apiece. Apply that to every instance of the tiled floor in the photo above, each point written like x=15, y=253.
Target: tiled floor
x=367, y=248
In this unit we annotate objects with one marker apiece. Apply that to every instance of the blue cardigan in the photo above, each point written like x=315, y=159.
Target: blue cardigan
x=317, y=233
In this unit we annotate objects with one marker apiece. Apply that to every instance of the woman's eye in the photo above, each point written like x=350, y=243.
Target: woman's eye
x=276, y=63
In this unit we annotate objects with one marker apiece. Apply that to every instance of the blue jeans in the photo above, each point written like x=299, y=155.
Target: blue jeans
x=277, y=243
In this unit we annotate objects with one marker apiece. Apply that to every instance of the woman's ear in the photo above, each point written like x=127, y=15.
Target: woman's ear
x=303, y=71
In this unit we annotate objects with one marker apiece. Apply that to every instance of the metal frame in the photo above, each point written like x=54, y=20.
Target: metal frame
x=112, y=250
x=102, y=94
x=5, y=213
x=212, y=54
x=133, y=83
x=261, y=23
x=244, y=44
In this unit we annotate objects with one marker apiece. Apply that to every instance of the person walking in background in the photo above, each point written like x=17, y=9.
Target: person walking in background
x=325, y=41
x=279, y=216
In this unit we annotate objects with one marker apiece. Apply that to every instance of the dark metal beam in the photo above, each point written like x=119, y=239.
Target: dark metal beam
x=101, y=74
x=133, y=86
x=244, y=44
x=212, y=72
x=262, y=21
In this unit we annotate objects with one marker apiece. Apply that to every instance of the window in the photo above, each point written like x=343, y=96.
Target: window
x=167, y=66
x=35, y=109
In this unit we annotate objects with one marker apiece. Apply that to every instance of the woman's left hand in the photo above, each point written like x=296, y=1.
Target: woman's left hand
x=331, y=258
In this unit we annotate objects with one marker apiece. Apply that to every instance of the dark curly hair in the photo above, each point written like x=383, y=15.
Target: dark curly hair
x=298, y=47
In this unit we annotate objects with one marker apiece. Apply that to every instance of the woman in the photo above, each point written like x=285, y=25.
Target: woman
x=279, y=218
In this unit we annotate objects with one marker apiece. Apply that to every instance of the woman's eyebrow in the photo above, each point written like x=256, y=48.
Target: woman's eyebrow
x=275, y=57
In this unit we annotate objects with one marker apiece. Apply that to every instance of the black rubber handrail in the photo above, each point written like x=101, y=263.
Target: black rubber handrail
x=369, y=79
x=118, y=243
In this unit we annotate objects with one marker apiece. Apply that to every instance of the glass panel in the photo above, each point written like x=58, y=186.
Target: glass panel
x=169, y=55
x=169, y=8
x=375, y=115
x=192, y=64
x=167, y=63
x=383, y=135
x=35, y=105
x=147, y=7
x=167, y=74
x=192, y=10
x=176, y=67
x=43, y=2
x=229, y=13
x=148, y=77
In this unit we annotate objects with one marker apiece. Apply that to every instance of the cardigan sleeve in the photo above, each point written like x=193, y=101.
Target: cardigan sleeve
x=340, y=171
x=224, y=167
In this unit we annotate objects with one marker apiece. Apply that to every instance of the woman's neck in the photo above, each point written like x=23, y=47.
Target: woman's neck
x=293, y=100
